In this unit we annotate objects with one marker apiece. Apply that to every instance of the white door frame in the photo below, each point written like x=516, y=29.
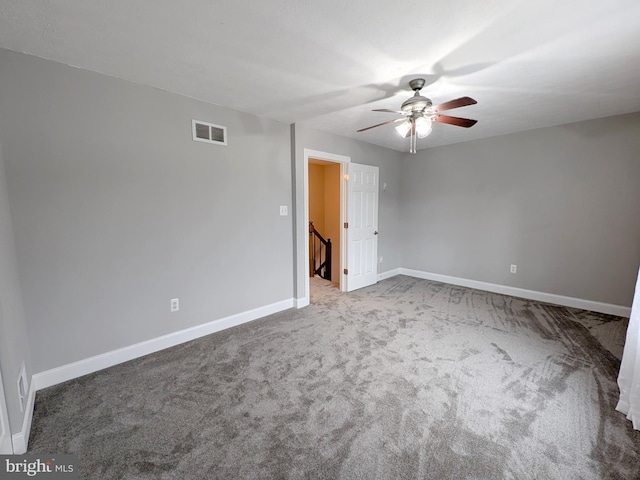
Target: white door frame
x=343, y=160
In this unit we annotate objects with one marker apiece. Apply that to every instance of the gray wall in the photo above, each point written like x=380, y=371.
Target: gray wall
x=116, y=210
x=389, y=162
x=562, y=203
x=14, y=346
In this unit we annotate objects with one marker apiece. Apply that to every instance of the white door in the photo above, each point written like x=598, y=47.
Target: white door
x=362, y=226
x=5, y=435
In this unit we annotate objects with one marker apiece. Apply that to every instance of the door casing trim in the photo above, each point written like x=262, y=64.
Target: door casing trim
x=303, y=231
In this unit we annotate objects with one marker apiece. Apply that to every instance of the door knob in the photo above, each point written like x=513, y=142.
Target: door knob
x=375, y=233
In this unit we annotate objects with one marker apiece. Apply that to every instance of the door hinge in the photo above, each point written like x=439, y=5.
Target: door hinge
x=346, y=271
x=346, y=224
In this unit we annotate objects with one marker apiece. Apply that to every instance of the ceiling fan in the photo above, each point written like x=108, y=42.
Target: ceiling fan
x=418, y=112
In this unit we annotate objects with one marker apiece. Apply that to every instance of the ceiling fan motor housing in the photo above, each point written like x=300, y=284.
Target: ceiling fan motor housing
x=417, y=103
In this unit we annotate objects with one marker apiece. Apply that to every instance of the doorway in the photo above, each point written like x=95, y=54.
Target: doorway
x=302, y=227
x=325, y=229
x=358, y=244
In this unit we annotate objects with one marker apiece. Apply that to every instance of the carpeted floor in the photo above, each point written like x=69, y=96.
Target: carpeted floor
x=405, y=379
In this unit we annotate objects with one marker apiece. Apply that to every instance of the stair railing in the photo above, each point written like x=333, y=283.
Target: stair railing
x=319, y=254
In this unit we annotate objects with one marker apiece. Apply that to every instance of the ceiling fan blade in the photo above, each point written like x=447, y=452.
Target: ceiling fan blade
x=380, y=124
x=457, y=121
x=451, y=104
x=399, y=112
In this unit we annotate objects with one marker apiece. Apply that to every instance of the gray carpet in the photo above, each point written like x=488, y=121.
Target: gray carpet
x=405, y=379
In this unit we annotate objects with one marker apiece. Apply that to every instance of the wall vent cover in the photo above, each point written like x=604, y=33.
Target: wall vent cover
x=208, y=132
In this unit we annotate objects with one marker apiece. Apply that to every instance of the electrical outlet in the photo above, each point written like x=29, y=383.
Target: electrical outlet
x=514, y=269
x=175, y=304
x=284, y=211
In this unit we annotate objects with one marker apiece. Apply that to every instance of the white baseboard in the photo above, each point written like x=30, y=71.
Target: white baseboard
x=302, y=302
x=607, y=308
x=77, y=369
x=632, y=414
x=389, y=274
x=20, y=440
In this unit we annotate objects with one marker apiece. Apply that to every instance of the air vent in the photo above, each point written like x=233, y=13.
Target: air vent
x=209, y=133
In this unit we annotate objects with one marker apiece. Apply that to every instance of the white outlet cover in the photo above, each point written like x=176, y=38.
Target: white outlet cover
x=284, y=210
x=175, y=304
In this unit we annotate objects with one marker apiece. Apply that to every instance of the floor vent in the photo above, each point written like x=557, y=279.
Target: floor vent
x=209, y=133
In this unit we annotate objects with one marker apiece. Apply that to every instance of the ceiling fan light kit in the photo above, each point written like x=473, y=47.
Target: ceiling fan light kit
x=423, y=126
x=419, y=113
x=403, y=128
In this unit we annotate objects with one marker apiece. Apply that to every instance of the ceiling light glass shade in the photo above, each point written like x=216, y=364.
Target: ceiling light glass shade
x=403, y=128
x=423, y=127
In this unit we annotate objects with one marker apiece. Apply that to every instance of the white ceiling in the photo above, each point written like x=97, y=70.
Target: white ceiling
x=327, y=63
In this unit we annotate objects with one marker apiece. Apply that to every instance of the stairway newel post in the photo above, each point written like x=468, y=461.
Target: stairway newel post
x=328, y=260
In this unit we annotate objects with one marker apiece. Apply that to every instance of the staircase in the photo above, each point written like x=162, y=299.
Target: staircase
x=319, y=254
